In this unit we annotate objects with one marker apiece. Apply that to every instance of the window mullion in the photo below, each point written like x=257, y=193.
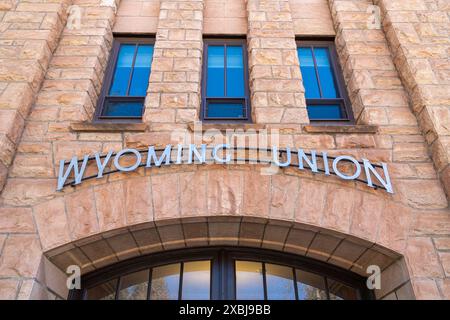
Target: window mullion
x=264, y=280
x=180, y=285
x=225, y=70
x=149, y=283
x=317, y=71
x=119, y=281
x=327, y=290
x=295, y=283
x=222, y=270
x=132, y=68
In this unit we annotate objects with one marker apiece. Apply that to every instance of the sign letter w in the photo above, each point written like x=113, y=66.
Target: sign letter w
x=73, y=165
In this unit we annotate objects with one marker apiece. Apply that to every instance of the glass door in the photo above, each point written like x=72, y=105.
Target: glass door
x=222, y=274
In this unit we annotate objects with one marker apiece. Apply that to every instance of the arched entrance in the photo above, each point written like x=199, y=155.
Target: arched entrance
x=222, y=273
x=104, y=222
x=328, y=263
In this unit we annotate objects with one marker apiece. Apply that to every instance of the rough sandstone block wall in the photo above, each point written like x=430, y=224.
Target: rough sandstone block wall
x=69, y=93
x=174, y=91
x=312, y=18
x=73, y=66
x=137, y=17
x=225, y=17
x=29, y=32
x=418, y=32
x=379, y=97
x=35, y=220
x=275, y=78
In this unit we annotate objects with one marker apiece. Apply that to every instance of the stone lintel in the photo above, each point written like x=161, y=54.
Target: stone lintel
x=341, y=128
x=226, y=126
x=107, y=127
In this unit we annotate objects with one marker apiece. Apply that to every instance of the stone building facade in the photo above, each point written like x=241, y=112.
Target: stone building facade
x=394, y=56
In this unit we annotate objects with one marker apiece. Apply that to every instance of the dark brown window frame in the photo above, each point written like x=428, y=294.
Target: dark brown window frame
x=246, y=99
x=344, y=101
x=107, y=81
x=223, y=282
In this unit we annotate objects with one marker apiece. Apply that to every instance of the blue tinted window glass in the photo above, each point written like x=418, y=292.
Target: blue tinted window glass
x=216, y=72
x=123, y=109
x=235, y=72
x=326, y=76
x=225, y=110
x=123, y=69
x=141, y=70
x=325, y=112
x=308, y=73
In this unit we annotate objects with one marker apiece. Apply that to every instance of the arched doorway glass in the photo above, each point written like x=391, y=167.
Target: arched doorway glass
x=222, y=273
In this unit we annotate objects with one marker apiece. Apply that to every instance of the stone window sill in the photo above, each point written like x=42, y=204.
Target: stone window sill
x=340, y=128
x=107, y=127
x=226, y=126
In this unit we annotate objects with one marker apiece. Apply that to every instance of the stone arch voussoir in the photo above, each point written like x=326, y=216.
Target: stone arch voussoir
x=345, y=224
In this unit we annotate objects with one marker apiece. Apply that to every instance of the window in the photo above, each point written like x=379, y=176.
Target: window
x=222, y=273
x=326, y=97
x=126, y=80
x=225, y=81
